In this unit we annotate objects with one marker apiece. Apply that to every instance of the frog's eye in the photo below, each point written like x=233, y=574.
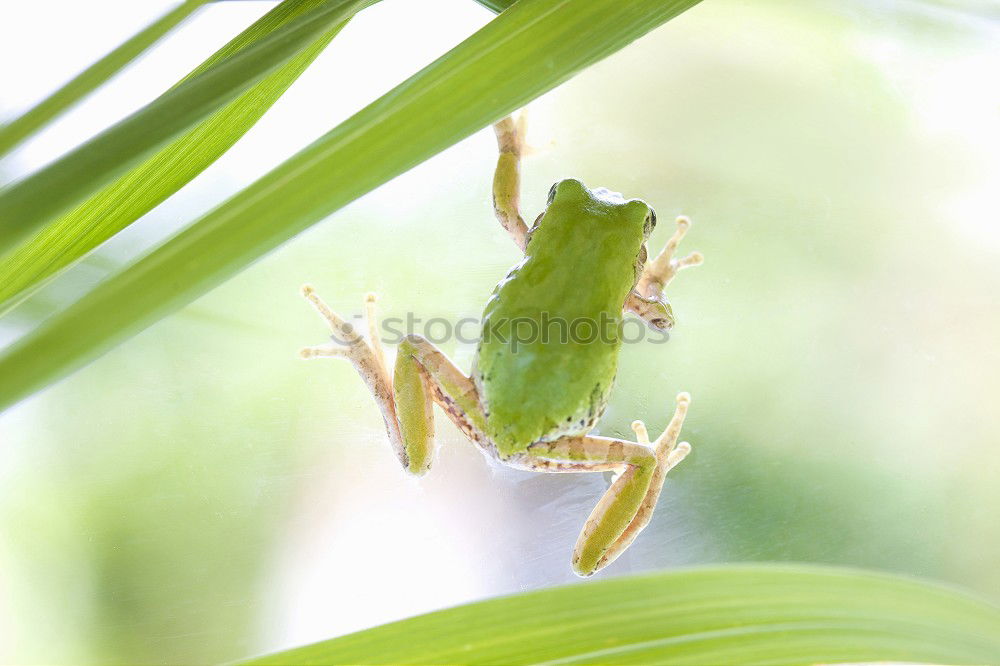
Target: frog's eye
x=650, y=222
x=552, y=192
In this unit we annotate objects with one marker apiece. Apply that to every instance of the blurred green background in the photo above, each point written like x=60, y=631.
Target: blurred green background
x=200, y=494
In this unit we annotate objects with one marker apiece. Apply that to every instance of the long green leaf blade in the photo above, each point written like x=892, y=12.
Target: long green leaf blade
x=727, y=615
x=524, y=52
x=496, y=5
x=71, y=236
x=84, y=83
x=27, y=204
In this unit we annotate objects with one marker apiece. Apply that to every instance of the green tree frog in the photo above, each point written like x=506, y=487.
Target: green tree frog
x=531, y=406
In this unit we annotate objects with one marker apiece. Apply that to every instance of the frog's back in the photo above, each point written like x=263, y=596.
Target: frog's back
x=549, y=347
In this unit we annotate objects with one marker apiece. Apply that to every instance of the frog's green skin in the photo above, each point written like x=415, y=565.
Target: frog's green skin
x=581, y=262
x=531, y=400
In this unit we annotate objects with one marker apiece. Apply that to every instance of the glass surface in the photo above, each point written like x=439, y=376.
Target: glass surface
x=201, y=494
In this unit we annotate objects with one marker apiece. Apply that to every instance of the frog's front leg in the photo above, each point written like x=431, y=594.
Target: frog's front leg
x=507, y=178
x=647, y=299
x=626, y=507
x=422, y=375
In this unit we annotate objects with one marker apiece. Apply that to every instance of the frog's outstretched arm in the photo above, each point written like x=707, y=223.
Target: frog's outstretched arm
x=422, y=375
x=647, y=299
x=507, y=178
x=626, y=507
x=656, y=274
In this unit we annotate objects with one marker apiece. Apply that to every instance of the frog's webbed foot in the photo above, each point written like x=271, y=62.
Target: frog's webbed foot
x=422, y=375
x=647, y=299
x=507, y=178
x=627, y=506
x=669, y=453
x=348, y=343
x=366, y=357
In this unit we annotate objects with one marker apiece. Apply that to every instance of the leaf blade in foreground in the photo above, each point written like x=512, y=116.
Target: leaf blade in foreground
x=774, y=614
x=84, y=83
x=72, y=235
x=27, y=204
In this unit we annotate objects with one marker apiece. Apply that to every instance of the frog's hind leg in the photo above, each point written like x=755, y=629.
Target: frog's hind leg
x=425, y=375
x=626, y=507
x=507, y=178
x=669, y=453
x=422, y=375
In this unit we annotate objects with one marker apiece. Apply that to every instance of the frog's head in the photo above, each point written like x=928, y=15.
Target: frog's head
x=613, y=226
x=633, y=216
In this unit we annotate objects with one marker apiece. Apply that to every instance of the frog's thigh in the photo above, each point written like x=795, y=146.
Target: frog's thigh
x=424, y=375
x=618, y=508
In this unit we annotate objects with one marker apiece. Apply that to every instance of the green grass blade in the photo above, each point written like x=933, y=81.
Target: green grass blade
x=724, y=615
x=71, y=236
x=84, y=83
x=26, y=205
x=527, y=50
x=496, y=5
